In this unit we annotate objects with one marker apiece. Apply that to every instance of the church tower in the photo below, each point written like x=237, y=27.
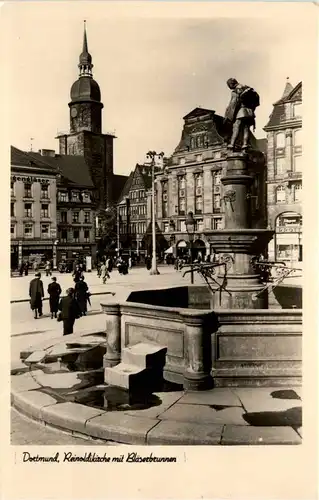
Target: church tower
x=85, y=137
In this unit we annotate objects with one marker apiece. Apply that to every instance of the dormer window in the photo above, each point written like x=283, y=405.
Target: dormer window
x=75, y=196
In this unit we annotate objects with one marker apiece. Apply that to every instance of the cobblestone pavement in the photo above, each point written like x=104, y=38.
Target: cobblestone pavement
x=27, y=432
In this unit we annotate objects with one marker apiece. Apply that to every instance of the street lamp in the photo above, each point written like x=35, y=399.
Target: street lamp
x=153, y=155
x=190, y=228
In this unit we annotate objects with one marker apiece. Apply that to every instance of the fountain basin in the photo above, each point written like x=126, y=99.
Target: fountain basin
x=220, y=347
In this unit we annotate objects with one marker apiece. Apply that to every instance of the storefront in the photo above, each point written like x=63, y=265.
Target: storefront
x=14, y=256
x=37, y=252
x=288, y=237
x=76, y=253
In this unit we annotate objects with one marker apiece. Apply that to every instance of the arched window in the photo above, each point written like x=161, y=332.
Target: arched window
x=280, y=194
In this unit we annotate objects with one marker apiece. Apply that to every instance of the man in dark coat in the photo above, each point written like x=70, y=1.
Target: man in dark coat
x=54, y=291
x=70, y=311
x=81, y=294
x=36, y=295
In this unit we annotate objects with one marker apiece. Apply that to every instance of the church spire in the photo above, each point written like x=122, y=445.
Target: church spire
x=85, y=62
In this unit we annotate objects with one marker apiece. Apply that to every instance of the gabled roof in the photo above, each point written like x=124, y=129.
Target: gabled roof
x=127, y=186
x=198, y=112
x=279, y=113
x=27, y=159
x=119, y=182
x=72, y=167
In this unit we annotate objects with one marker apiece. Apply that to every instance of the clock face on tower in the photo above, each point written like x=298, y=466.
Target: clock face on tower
x=74, y=112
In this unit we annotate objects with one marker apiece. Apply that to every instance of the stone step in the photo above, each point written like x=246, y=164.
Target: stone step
x=145, y=355
x=124, y=375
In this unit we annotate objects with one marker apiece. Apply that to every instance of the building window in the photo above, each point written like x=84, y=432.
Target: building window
x=181, y=196
x=28, y=209
x=199, y=225
x=198, y=193
x=64, y=216
x=217, y=223
x=86, y=197
x=44, y=191
x=75, y=196
x=87, y=218
x=297, y=190
x=12, y=188
x=45, y=230
x=166, y=227
x=297, y=163
x=75, y=217
x=12, y=210
x=297, y=110
x=63, y=196
x=44, y=210
x=27, y=190
x=216, y=202
x=280, y=194
x=281, y=166
x=86, y=235
x=297, y=137
x=164, y=200
x=76, y=236
x=28, y=230
x=64, y=236
x=280, y=140
x=217, y=178
x=13, y=230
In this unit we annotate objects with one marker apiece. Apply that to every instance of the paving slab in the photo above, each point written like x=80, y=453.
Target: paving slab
x=24, y=382
x=32, y=402
x=117, y=426
x=71, y=380
x=267, y=398
x=168, y=432
x=167, y=400
x=71, y=416
x=203, y=414
x=18, y=367
x=241, y=435
x=222, y=396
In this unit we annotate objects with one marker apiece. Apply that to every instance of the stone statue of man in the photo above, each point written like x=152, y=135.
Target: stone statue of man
x=240, y=112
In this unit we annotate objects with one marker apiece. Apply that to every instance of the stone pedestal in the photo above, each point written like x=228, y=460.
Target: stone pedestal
x=113, y=335
x=239, y=241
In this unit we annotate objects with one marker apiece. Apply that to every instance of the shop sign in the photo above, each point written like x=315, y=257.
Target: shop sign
x=288, y=229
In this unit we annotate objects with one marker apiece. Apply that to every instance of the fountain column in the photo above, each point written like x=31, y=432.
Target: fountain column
x=239, y=241
x=112, y=357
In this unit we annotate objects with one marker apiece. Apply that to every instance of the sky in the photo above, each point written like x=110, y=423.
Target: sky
x=153, y=65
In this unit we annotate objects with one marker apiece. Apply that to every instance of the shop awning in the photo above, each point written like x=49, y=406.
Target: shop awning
x=170, y=250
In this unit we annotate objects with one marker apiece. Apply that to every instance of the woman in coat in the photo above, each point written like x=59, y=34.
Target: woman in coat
x=70, y=311
x=54, y=291
x=81, y=295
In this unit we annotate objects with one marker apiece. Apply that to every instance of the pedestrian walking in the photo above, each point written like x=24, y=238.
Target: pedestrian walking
x=148, y=263
x=48, y=268
x=70, y=311
x=81, y=295
x=54, y=291
x=77, y=274
x=104, y=273
x=26, y=268
x=36, y=294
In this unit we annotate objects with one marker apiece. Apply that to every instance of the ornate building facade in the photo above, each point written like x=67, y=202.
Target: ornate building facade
x=135, y=208
x=191, y=182
x=284, y=175
x=33, y=209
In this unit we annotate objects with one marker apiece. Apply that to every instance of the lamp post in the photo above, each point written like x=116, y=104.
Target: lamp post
x=152, y=155
x=190, y=228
